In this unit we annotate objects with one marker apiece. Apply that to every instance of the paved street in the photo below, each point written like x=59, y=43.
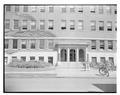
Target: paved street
x=60, y=84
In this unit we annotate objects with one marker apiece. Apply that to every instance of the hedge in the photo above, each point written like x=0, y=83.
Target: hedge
x=28, y=64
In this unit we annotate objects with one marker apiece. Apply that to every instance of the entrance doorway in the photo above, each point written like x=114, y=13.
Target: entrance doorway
x=72, y=55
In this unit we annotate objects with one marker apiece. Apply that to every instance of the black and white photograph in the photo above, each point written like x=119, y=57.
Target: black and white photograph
x=60, y=48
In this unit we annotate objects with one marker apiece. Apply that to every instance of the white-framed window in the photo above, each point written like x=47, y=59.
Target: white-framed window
x=15, y=43
x=92, y=9
x=115, y=25
x=101, y=10
x=63, y=24
x=72, y=24
x=7, y=23
x=108, y=9
x=111, y=60
x=80, y=24
x=32, y=58
x=80, y=9
x=93, y=25
x=16, y=8
x=110, y=45
x=72, y=9
x=51, y=9
x=42, y=8
x=41, y=58
x=102, y=45
x=14, y=58
x=32, y=44
x=109, y=26
x=63, y=8
x=6, y=44
x=93, y=44
x=94, y=60
x=33, y=8
x=16, y=24
x=23, y=44
x=101, y=25
x=24, y=25
x=42, y=44
x=25, y=8
x=23, y=58
x=50, y=44
x=42, y=24
x=33, y=24
x=102, y=59
x=8, y=8
x=51, y=24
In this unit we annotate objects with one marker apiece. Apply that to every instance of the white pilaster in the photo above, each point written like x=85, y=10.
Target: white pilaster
x=59, y=54
x=68, y=54
x=77, y=55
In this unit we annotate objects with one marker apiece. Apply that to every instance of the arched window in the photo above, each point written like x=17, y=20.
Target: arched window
x=63, y=55
x=81, y=55
x=72, y=55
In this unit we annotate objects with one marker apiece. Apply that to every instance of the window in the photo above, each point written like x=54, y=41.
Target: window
x=25, y=8
x=72, y=25
x=7, y=24
x=93, y=44
x=115, y=11
x=16, y=8
x=33, y=25
x=109, y=26
x=14, y=58
x=72, y=9
x=102, y=45
x=50, y=24
x=63, y=9
x=50, y=60
x=8, y=8
x=80, y=9
x=6, y=44
x=80, y=24
x=92, y=9
x=110, y=45
x=42, y=9
x=50, y=44
x=24, y=25
x=101, y=25
x=101, y=10
x=42, y=24
x=32, y=58
x=16, y=24
x=63, y=24
x=51, y=9
x=23, y=58
x=108, y=9
x=23, y=44
x=116, y=26
x=111, y=60
x=93, y=25
x=15, y=43
x=41, y=58
x=102, y=59
x=32, y=44
x=33, y=8
x=42, y=44
x=6, y=60
x=94, y=60
x=63, y=55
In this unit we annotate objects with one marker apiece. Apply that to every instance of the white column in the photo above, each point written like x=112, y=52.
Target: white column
x=77, y=55
x=59, y=59
x=68, y=54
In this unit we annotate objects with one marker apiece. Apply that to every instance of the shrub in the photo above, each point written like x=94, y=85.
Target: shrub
x=29, y=64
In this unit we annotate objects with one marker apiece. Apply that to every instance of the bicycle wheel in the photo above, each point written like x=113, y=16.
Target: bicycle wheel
x=102, y=71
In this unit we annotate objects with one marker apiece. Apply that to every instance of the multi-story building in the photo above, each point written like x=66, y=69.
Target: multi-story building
x=61, y=34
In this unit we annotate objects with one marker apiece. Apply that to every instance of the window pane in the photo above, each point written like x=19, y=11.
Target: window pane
x=101, y=25
x=110, y=45
x=94, y=60
x=42, y=44
x=63, y=24
x=80, y=9
x=16, y=8
x=23, y=58
x=50, y=44
x=108, y=9
x=32, y=44
x=15, y=43
x=102, y=45
x=101, y=10
x=8, y=8
x=102, y=59
x=93, y=44
x=80, y=25
x=6, y=44
x=25, y=8
x=7, y=24
x=16, y=24
x=50, y=24
x=42, y=9
x=92, y=9
x=24, y=25
x=33, y=8
x=51, y=9
x=42, y=24
x=93, y=25
x=72, y=24
x=32, y=58
x=23, y=43
x=72, y=9
x=63, y=9
x=33, y=24
x=109, y=26
x=41, y=58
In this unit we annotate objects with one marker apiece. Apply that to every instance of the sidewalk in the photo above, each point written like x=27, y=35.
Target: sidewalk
x=60, y=72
